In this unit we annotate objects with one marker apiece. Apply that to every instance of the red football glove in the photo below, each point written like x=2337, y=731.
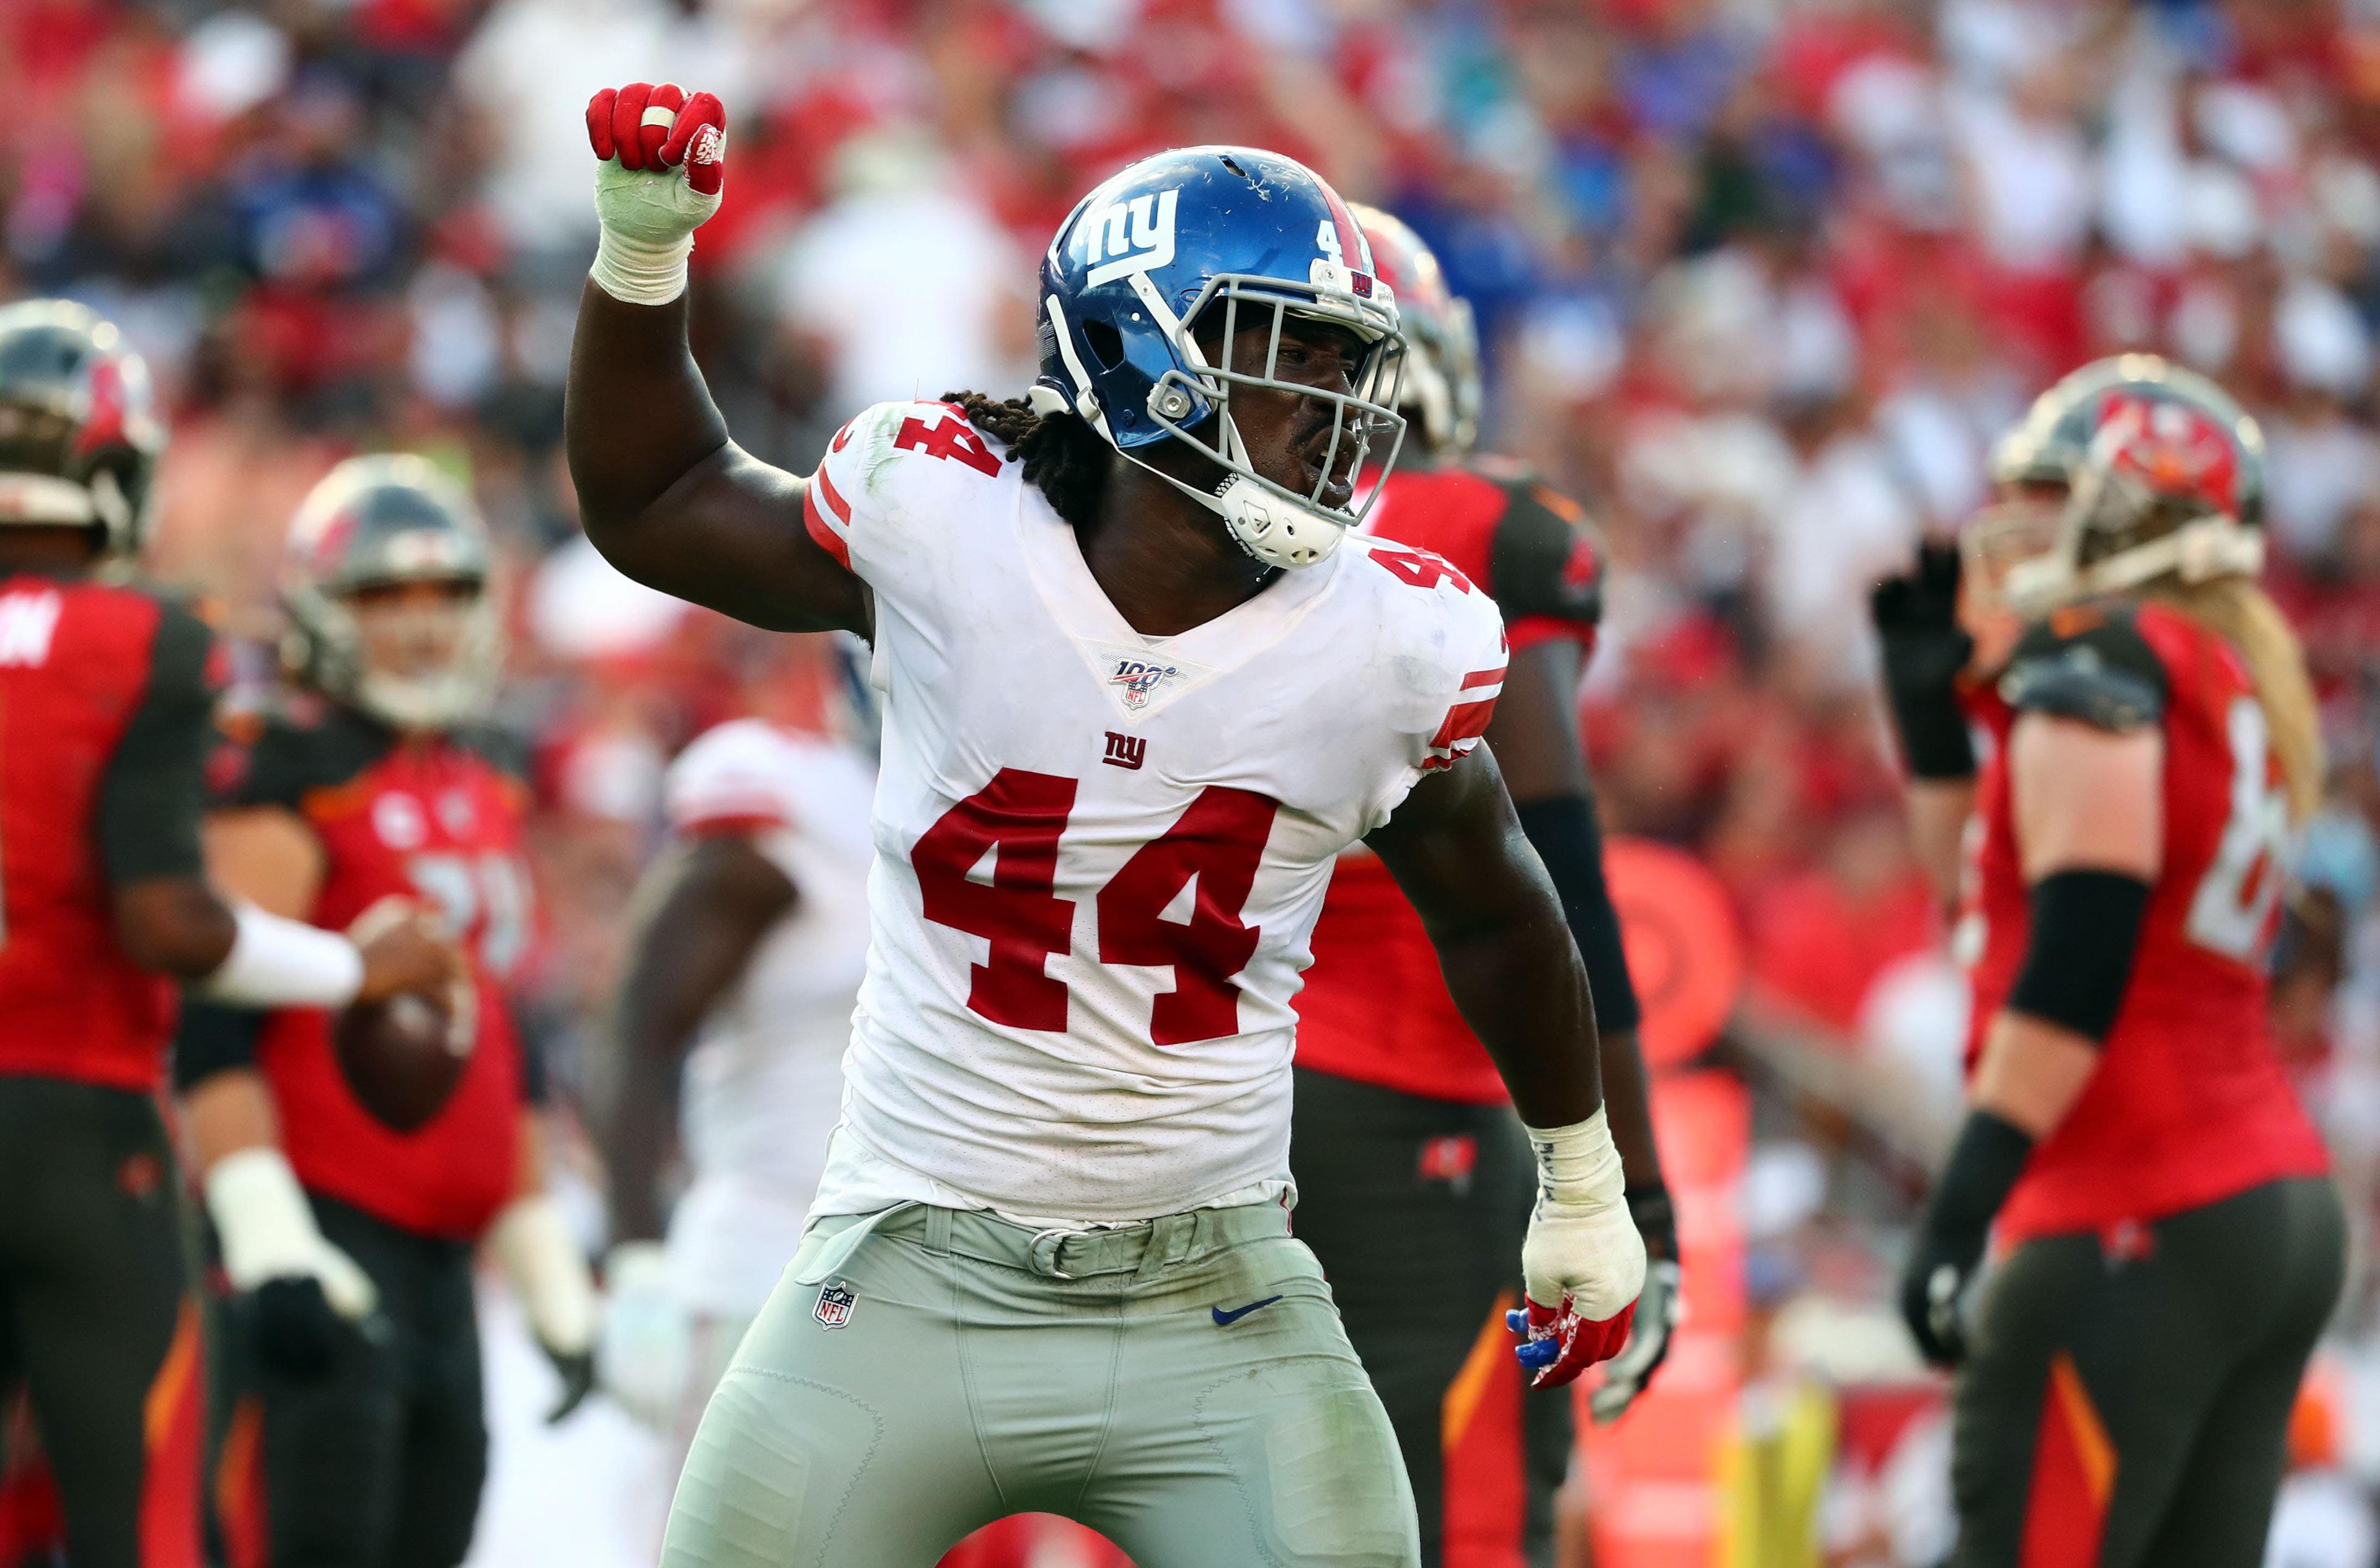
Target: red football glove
x=649, y=128
x=1557, y=1344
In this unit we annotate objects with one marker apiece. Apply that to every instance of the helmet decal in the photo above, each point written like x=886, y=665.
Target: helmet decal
x=2178, y=451
x=1138, y=235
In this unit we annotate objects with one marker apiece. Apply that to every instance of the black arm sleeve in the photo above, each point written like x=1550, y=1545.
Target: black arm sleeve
x=214, y=1039
x=2088, y=663
x=2078, y=956
x=1544, y=560
x=1566, y=837
x=154, y=789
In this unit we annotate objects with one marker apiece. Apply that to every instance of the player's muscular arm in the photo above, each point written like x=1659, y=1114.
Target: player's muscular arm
x=1457, y=850
x=673, y=503
x=710, y=909
x=663, y=493
x=1537, y=742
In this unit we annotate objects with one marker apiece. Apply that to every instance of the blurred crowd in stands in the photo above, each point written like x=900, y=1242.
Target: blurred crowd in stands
x=1759, y=281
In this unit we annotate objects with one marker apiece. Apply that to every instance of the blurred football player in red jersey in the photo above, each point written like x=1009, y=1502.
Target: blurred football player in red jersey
x=106, y=709
x=356, y=1433
x=1414, y=1178
x=2171, y=1244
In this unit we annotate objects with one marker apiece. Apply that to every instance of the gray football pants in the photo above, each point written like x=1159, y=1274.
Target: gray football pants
x=1182, y=1385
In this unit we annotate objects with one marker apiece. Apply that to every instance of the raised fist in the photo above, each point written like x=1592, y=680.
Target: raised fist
x=664, y=160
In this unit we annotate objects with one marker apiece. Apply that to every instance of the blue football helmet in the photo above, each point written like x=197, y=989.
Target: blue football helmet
x=1261, y=238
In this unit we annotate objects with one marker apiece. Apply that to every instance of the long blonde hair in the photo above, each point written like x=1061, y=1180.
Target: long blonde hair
x=2243, y=614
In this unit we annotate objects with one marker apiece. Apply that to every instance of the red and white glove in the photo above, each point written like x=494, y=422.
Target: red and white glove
x=1583, y=1263
x=664, y=158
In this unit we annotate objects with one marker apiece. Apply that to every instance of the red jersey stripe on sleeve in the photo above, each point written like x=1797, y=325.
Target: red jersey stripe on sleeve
x=816, y=518
x=836, y=504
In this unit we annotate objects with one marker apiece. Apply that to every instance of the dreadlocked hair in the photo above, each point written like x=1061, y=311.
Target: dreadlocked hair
x=1064, y=456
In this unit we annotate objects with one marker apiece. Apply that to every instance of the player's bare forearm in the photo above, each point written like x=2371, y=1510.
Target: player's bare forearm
x=177, y=926
x=669, y=499
x=1457, y=850
x=710, y=908
x=1938, y=809
x=1542, y=758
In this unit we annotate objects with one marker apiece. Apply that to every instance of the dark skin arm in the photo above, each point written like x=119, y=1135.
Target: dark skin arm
x=716, y=901
x=1535, y=734
x=669, y=500
x=1457, y=851
x=176, y=925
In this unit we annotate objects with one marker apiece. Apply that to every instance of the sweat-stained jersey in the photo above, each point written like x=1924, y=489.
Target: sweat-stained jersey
x=2189, y=1104
x=434, y=821
x=1099, y=855
x=1375, y=1007
x=106, y=710
x=764, y=1082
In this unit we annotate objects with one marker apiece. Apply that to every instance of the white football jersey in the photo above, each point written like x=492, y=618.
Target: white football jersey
x=1099, y=854
x=764, y=1081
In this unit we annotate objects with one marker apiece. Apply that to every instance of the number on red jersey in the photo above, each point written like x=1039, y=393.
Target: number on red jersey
x=489, y=893
x=1208, y=859
x=2236, y=906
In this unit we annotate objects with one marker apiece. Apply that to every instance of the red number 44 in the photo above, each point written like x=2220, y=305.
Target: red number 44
x=1018, y=818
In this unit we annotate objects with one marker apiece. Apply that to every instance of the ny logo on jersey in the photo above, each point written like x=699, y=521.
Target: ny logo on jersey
x=1139, y=677
x=1127, y=751
x=1129, y=237
x=27, y=621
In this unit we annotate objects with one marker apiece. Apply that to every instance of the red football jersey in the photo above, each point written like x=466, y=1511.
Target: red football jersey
x=91, y=676
x=1375, y=1007
x=2190, y=1103
x=434, y=821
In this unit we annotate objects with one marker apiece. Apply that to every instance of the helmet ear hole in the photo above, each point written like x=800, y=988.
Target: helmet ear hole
x=1105, y=343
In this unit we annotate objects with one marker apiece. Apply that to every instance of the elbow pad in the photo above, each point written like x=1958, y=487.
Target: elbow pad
x=1564, y=834
x=2078, y=959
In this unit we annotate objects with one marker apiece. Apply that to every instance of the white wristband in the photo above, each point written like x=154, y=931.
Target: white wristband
x=277, y=962
x=1579, y=1165
x=640, y=273
x=531, y=1240
x=262, y=1215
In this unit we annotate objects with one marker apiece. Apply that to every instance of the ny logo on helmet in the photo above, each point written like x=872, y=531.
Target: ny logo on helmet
x=1129, y=237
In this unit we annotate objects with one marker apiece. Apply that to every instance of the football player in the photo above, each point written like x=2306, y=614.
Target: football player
x=2172, y=1246
x=1142, y=682
x=747, y=962
x=354, y=1432
x=106, y=713
x=1413, y=1177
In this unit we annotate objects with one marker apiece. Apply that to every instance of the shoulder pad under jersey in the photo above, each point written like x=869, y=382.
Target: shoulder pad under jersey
x=2087, y=661
x=305, y=746
x=1546, y=560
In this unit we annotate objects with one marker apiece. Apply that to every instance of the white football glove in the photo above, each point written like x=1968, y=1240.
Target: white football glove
x=1583, y=1263
x=268, y=1232
x=646, y=1354
x=532, y=1241
x=664, y=164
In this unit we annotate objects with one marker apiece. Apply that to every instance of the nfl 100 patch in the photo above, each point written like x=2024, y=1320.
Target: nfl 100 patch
x=835, y=1302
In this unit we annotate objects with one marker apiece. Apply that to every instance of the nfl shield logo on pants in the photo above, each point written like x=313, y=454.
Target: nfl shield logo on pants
x=834, y=1303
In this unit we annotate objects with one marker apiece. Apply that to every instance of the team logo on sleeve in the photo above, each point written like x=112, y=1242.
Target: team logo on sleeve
x=834, y=1303
x=1139, y=679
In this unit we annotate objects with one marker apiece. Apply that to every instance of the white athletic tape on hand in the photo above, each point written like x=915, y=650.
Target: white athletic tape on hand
x=649, y=217
x=657, y=116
